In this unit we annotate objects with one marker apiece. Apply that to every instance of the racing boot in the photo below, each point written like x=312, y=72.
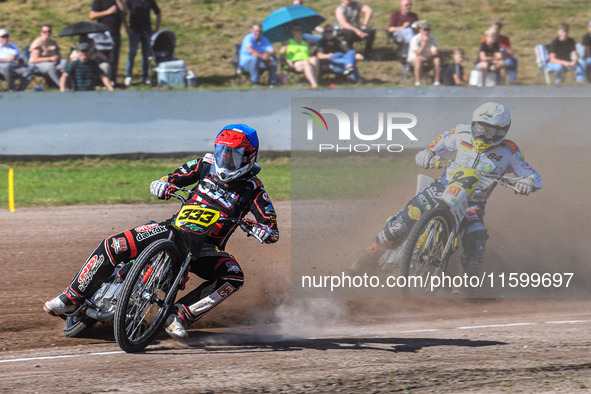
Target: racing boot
x=60, y=305
x=175, y=326
x=368, y=259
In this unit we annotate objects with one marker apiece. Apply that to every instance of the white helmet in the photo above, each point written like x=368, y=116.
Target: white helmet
x=490, y=124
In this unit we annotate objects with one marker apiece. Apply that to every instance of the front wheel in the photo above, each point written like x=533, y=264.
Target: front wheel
x=425, y=253
x=141, y=309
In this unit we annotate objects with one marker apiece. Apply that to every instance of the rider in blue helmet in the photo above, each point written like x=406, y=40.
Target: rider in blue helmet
x=226, y=181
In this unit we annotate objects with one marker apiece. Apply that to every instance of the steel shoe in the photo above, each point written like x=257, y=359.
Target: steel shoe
x=175, y=327
x=59, y=305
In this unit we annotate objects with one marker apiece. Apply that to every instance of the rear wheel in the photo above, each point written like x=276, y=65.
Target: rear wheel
x=141, y=309
x=423, y=252
x=75, y=325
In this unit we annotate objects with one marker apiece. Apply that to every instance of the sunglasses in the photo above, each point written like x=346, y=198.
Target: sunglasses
x=45, y=31
x=5, y=36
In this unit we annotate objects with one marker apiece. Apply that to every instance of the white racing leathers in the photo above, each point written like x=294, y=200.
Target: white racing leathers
x=503, y=158
x=497, y=160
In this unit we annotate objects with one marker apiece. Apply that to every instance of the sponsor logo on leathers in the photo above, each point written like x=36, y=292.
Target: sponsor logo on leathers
x=145, y=227
x=119, y=244
x=149, y=233
x=233, y=267
x=413, y=212
x=227, y=199
x=89, y=270
x=205, y=304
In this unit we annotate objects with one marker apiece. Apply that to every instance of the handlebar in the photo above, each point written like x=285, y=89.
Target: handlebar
x=504, y=180
x=245, y=224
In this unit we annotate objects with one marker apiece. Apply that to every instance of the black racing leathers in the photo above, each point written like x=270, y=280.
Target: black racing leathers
x=221, y=271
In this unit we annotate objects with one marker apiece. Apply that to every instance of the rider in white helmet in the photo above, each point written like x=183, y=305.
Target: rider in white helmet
x=481, y=145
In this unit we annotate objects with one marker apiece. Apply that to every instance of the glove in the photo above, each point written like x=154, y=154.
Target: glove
x=262, y=231
x=423, y=158
x=524, y=186
x=161, y=189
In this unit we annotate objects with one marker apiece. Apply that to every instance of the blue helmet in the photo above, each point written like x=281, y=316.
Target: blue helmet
x=236, y=150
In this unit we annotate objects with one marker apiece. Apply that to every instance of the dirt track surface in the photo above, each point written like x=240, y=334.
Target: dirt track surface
x=261, y=340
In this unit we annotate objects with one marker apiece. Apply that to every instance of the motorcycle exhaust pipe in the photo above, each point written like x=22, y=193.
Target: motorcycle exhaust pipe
x=100, y=316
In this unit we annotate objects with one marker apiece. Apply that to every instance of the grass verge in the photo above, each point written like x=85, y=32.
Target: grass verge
x=341, y=176
x=109, y=181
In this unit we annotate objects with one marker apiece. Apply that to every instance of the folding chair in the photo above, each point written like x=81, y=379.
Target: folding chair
x=236, y=64
x=542, y=58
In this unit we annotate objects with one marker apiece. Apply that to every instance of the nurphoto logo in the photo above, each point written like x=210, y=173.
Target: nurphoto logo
x=389, y=124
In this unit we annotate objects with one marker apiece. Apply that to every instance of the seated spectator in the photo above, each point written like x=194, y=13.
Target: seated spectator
x=563, y=56
x=490, y=58
x=45, y=55
x=340, y=58
x=310, y=38
x=84, y=72
x=12, y=64
x=586, y=42
x=297, y=56
x=258, y=55
x=94, y=54
x=352, y=30
x=400, y=26
x=423, y=54
x=453, y=73
x=505, y=47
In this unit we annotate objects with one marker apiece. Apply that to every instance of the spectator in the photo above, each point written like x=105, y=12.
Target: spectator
x=340, y=58
x=400, y=27
x=111, y=13
x=563, y=56
x=297, y=56
x=93, y=54
x=84, y=72
x=453, y=73
x=45, y=56
x=347, y=15
x=258, y=55
x=310, y=38
x=586, y=42
x=490, y=58
x=423, y=54
x=506, y=51
x=12, y=64
x=140, y=30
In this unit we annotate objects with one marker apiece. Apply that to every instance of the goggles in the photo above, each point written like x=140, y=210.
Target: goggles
x=487, y=133
x=229, y=158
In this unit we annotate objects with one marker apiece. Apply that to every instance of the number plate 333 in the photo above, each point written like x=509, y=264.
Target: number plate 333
x=196, y=218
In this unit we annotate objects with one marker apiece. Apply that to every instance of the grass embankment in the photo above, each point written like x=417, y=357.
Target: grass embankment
x=207, y=30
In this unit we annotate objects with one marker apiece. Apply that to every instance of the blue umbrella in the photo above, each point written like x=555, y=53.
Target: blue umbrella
x=277, y=26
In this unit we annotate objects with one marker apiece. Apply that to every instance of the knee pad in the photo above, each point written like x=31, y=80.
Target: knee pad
x=223, y=289
x=396, y=229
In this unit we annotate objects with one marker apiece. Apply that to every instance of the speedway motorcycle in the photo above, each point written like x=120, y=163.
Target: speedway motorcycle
x=434, y=238
x=139, y=294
